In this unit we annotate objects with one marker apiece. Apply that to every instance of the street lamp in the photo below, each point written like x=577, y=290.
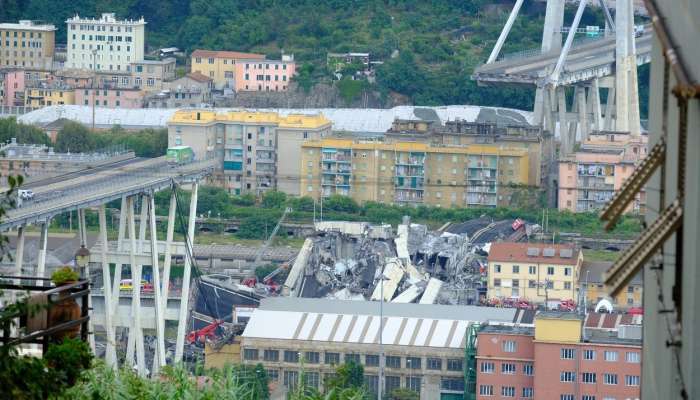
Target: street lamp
x=82, y=258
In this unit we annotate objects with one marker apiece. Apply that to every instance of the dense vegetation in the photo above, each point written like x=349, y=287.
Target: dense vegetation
x=430, y=48
x=260, y=216
x=77, y=138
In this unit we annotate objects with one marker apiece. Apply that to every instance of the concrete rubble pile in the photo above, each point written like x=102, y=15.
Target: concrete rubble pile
x=347, y=260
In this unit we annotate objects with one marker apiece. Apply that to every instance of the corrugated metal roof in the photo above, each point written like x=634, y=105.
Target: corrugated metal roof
x=363, y=120
x=358, y=321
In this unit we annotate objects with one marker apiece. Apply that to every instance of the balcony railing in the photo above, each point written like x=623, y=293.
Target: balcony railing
x=43, y=294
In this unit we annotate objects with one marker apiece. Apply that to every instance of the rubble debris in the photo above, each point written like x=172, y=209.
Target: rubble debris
x=353, y=260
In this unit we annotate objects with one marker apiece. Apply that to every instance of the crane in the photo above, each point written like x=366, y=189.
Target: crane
x=261, y=250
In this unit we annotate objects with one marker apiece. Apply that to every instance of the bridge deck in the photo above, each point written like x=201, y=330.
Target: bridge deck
x=591, y=58
x=102, y=186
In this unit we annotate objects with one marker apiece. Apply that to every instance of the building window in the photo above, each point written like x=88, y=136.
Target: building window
x=509, y=346
x=413, y=362
x=632, y=380
x=632, y=357
x=568, y=354
x=271, y=355
x=391, y=382
x=532, y=284
x=550, y=270
x=312, y=379
x=567, y=397
x=528, y=392
x=589, y=354
x=331, y=358
x=291, y=356
x=487, y=367
x=610, y=379
x=532, y=270
x=587, y=397
x=567, y=376
x=528, y=369
x=413, y=383
x=567, y=285
x=497, y=282
x=372, y=383
x=306, y=135
x=567, y=271
x=486, y=390
x=588, y=377
x=434, y=363
x=610, y=355
x=497, y=267
x=352, y=357
x=452, y=384
x=250, y=354
x=118, y=103
x=371, y=360
x=273, y=375
x=508, y=391
x=394, y=362
x=311, y=357
x=211, y=60
x=516, y=269
x=291, y=379
x=454, y=364
x=508, y=369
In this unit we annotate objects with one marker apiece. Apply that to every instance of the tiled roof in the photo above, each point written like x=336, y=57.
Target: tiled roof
x=198, y=76
x=545, y=253
x=227, y=54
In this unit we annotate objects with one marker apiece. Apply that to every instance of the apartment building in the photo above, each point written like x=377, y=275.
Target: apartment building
x=411, y=172
x=532, y=139
x=558, y=360
x=110, y=97
x=150, y=75
x=424, y=345
x=13, y=82
x=104, y=44
x=591, y=176
x=537, y=272
x=192, y=90
x=591, y=280
x=53, y=94
x=27, y=45
x=244, y=71
x=259, y=151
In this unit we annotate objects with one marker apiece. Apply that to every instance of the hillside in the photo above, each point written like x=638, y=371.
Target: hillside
x=439, y=42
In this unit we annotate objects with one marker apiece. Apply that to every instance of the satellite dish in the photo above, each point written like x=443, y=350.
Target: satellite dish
x=605, y=305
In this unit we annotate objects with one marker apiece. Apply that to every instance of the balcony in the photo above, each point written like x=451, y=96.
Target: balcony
x=408, y=196
x=38, y=328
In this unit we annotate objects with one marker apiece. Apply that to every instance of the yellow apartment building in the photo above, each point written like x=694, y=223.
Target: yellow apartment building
x=591, y=281
x=411, y=172
x=49, y=96
x=258, y=151
x=27, y=45
x=536, y=272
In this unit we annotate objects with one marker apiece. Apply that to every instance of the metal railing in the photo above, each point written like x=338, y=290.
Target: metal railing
x=76, y=290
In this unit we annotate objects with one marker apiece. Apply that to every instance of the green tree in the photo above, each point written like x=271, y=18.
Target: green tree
x=274, y=199
x=74, y=137
x=348, y=375
x=350, y=89
x=305, y=77
x=342, y=203
x=29, y=134
x=403, y=394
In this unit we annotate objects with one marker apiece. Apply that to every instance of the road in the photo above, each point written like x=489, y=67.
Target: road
x=102, y=186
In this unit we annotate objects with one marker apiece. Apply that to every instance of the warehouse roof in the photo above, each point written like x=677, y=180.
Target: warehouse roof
x=363, y=120
x=546, y=253
x=358, y=322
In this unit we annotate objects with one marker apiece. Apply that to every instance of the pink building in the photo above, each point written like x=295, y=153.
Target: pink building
x=13, y=87
x=590, y=177
x=265, y=75
x=554, y=360
x=110, y=97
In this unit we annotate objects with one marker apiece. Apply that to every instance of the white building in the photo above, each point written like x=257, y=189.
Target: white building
x=113, y=44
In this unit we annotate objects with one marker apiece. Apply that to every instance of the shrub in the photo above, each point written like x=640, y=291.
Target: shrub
x=63, y=275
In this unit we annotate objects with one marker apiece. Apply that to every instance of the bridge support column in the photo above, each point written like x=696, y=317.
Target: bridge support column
x=565, y=149
x=582, y=113
x=167, y=259
x=43, y=242
x=110, y=351
x=159, y=359
x=551, y=41
x=185, y=296
x=122, y=223
x=627, y=101
x=594, y=96
x=135, y=331
x=143, y=221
